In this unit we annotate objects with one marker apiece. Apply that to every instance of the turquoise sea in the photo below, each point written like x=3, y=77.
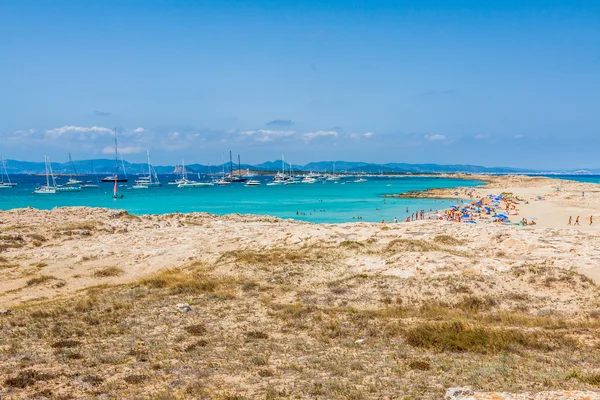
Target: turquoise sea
x=578, y=178
x=320, y=202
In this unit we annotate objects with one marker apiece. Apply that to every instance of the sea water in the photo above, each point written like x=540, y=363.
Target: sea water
x=321, y=202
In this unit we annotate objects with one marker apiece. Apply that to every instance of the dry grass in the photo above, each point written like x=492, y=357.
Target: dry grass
x=410, y=245
x=108, y=272
x=128, y=341
x=180, y=281
x=279, y=256
x=448, y=240
x=456, y=336
x=40, y=280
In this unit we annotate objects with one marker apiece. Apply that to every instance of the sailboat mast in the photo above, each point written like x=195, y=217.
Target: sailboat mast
x=230, y=164
x=71, y=162
x=47, y=175
x=149, y=169
x=239, y=166
x=116, y=167
x=5, y=170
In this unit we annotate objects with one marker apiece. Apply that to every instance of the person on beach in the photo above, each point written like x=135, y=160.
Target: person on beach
x=591, y=220
x=396, y=220
x=570, y=220
x=577, y=220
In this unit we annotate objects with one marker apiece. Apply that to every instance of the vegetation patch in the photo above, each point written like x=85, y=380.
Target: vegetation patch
x=352, y=244
x=180, y=281
x=457, y=336
x=135, y=379
x=448, y=240
x=196, y=330
x=108, y=272
x=66, y=344
x=39, y=280
x=252, y=335
x=419, y=365
x=410, y=245
x=591, y=379
x=279, y=256
x=26, y=378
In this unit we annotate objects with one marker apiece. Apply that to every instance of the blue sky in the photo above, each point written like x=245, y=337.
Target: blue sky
x=512, y=83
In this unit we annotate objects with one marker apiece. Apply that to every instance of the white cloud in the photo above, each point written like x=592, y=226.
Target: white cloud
x=123, y=150
x=174, y=135
x=368, y=135
x=24, y=132
x=480, y=136
x=139, y=130
x=313, y=135
x=265, y=135
x=435, y=138
x=59, y=132
x=519, y=136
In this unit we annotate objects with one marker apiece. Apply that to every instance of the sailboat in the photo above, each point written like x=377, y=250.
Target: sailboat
x=235, y=178
x=47, y=189
x=183, y=178
x=8, y=183
x=71, y=180
x=115, y=178
x=186, y=183
x=91, y=184
x=148, y=181
x=333, y=176
x=223, y=181
x=280, y=178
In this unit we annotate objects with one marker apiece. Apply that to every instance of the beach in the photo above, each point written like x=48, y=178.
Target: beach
x=288, y=308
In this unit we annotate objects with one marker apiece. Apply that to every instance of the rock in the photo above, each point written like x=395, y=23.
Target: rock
x=359, y=341
x=184, y=307
x=458, y=393
x=5, y=311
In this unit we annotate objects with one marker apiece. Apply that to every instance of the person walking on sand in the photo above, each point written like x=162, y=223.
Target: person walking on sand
x=570, y=220
x=591, y=220
x=577, y=220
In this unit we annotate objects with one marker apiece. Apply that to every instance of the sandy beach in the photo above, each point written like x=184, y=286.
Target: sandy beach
x=285, y=308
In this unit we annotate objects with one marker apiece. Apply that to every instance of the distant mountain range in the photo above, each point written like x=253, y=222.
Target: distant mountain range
x=107, y=166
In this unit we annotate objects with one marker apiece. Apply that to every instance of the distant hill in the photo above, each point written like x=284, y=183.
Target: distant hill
x=107, y=166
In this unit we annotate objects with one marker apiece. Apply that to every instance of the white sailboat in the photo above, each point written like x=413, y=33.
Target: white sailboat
x=91, y=184
x=252, y=182
x=72, y=181
x=187, y=183
x=47, y=189
x=280, y=178
x=183, y=174
x=151, y=180
x=8, y=183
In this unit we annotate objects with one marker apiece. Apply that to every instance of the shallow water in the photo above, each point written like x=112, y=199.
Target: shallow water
x=320, y=202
